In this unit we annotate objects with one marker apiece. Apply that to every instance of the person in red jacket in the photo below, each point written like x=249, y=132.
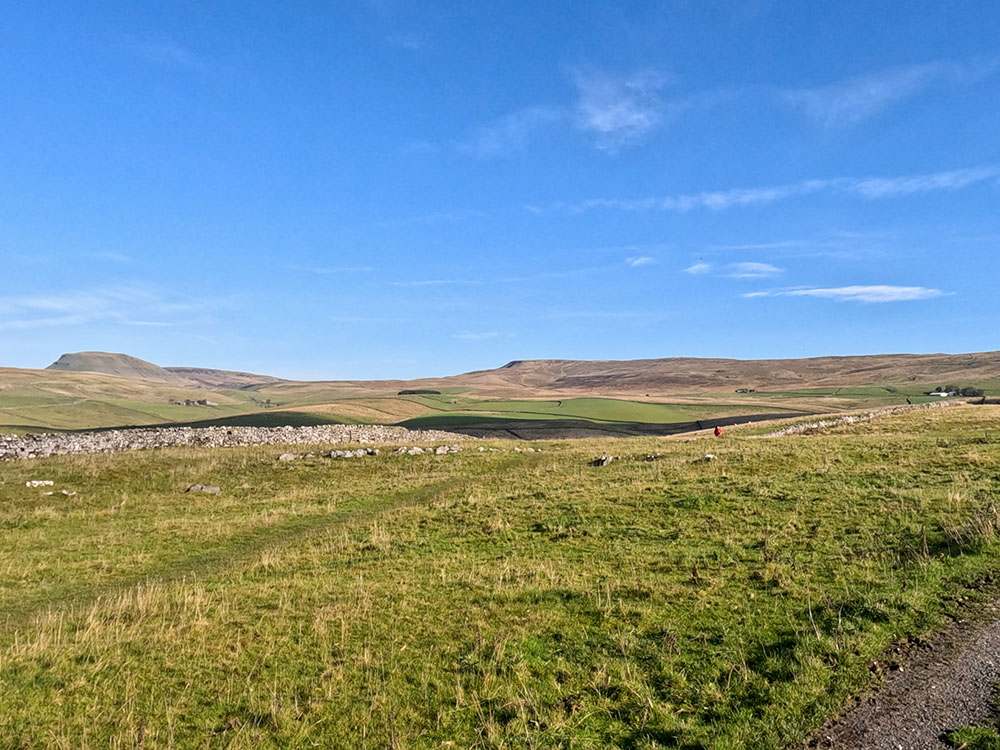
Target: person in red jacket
x=718, y=431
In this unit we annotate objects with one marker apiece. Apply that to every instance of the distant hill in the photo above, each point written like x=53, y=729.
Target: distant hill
x=697, y=374
x=568, y=376
x=86, y=390
x=222, y=378
x=122, y=365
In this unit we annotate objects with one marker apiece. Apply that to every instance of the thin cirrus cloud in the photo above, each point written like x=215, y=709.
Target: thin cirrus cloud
x=169, y=54
x=743, y=270
x=124, y=305
x=510, y=134
x=863, y=187
x=752, y=270
x=640, y=260
x=618, y=111
x=613, y=111
x=858, y=293
x=329, y=270
x=698, y=268
x=850, y=102
x=473, y=336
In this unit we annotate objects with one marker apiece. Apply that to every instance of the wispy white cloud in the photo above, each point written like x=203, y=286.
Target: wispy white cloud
x=438, y=282
x=510, y=134
x=170, y=54
x=742, y=270
x=698, y=268
x=438, y=217
x=123, y=305
x=618, y=110
x=640, y=260
x=954, y=180
x=476, y=335
x=613, y=111
x=870, y=293
x=852, y=101
x=108, y=256
x=866, y=187
x=329, y=270
x=405, y=41
x=779, y=245
x=752, y=270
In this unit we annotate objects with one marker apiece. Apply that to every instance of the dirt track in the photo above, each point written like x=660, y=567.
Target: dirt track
x=944, y=683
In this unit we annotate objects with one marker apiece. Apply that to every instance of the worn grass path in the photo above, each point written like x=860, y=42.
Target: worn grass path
x=199, y=560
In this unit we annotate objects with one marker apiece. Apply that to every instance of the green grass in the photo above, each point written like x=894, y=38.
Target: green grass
x=975, y=738
x=485, y=599
x=467, y=411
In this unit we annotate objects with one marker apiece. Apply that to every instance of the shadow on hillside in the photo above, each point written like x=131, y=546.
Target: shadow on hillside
x=548, y=429
x=262, y=419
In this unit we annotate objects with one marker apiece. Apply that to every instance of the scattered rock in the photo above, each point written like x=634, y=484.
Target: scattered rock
x=67, y=493
x=288, y=457
x=357, y=453
x=211, y=489
x=416, y=450
x=602, y=461
x=400, y=451
x=652, y=457
x=708, y=457
x=443, y=449
x=39, y=483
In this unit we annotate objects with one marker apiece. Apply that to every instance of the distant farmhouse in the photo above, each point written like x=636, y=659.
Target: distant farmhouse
x=954, y=390
x=746, y=390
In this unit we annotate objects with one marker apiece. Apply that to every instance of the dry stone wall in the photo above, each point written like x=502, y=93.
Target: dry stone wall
x=825, y=424
x=110, y=441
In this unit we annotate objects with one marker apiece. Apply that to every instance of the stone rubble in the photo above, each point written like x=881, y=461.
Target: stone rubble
x=110, y=441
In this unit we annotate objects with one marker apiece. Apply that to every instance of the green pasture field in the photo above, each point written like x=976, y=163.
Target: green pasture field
x=591, y=409
x=493, y=599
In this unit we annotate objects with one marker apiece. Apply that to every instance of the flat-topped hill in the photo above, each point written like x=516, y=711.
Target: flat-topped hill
x=122, y=365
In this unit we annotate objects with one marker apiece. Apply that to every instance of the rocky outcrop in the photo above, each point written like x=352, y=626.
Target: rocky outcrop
x=109, y=441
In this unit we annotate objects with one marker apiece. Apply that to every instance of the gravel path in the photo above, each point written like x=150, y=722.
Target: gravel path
x=944, y=683
x=111, y=441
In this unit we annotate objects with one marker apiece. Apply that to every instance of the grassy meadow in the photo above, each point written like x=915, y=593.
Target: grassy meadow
x=497, y=599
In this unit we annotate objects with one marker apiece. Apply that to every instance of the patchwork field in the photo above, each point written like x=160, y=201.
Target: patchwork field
x=496, y=599
x=46, y=400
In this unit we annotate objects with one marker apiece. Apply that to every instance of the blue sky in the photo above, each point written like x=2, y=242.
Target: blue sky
x=398, y=189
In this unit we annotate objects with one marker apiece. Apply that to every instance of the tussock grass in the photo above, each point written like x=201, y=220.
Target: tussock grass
x=489, y=600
